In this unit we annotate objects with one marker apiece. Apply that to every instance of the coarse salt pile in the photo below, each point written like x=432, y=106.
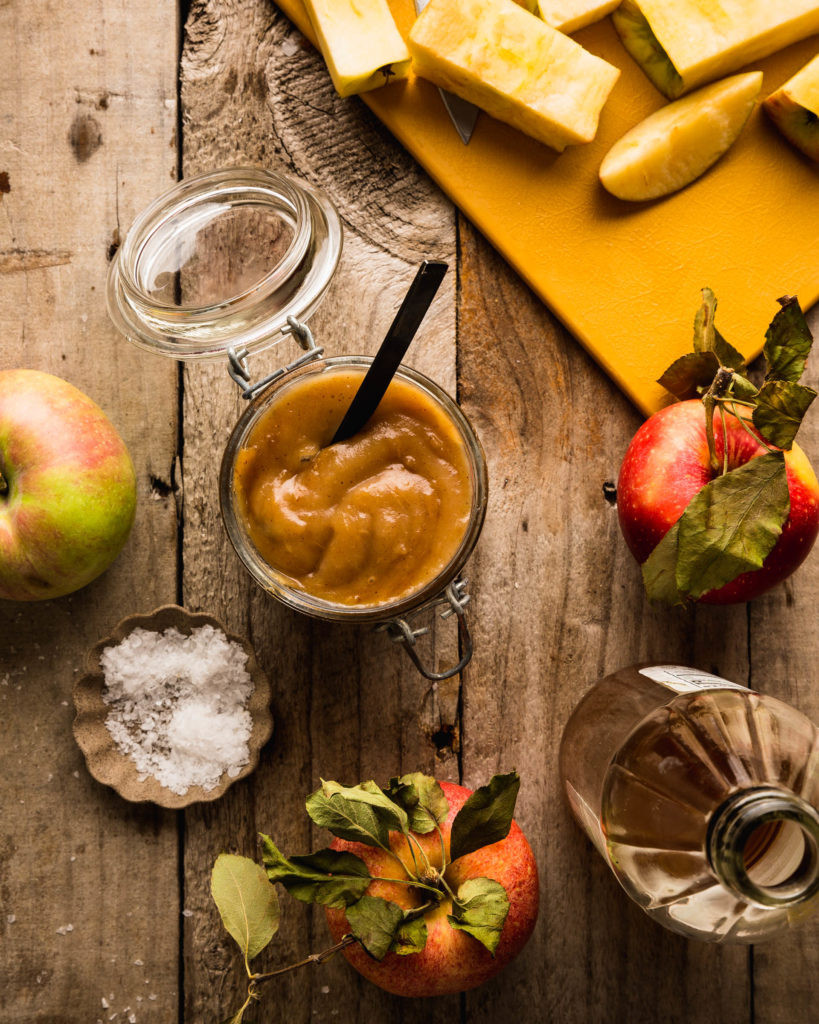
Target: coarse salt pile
x=178, y=705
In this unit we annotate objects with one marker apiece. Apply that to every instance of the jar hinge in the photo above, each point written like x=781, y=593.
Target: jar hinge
x=237, y=361
x=400, y=631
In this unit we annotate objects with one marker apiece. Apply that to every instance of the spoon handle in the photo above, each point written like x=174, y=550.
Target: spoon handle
x=393, y=348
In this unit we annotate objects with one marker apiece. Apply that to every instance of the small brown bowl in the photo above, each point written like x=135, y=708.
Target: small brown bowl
x=105, y=760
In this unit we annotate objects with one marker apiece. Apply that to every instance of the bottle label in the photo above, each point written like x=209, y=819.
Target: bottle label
x=686, y=680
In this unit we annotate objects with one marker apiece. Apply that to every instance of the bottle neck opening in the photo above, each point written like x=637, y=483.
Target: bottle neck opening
x=763, y=845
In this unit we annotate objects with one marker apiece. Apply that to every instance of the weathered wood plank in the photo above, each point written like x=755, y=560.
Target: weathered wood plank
x=784, y=658
x=558, y=604
x=347, y=703
x=88, y=904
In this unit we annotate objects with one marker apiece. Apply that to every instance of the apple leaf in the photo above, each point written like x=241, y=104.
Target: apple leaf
x=363, y=814
x=486, y=817
x=422, y=798
x=329, y=877
x=708, y=339
x=787, y=342
x=690, y=374
x=660, y=570
x=411, y=936
x=480, y=909
x=742, y=388
x=375, y=923
x=246, y=901
x=729, y=527
x=779, y=410
x=732, y=524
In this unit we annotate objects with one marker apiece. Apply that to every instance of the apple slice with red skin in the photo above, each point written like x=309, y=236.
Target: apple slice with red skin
x=452, y=960
x=668, y=462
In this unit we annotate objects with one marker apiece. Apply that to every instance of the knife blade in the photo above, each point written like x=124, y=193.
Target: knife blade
x=462, y=113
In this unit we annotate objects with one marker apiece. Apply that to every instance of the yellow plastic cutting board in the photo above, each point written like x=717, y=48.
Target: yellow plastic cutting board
x=625, y=278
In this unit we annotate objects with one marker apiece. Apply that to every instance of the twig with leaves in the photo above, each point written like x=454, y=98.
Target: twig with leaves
x=411, y=805
x=734, y=522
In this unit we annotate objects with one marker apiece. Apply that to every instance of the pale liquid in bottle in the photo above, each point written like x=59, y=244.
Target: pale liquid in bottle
x=702, y=796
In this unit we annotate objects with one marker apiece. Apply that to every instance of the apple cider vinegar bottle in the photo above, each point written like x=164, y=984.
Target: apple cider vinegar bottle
x=702, y=796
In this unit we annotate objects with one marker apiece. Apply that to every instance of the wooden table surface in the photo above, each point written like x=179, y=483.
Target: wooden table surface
x=105, y=912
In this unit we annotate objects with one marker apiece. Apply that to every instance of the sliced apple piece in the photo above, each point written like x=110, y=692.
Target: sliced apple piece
x=571, y=15
x=684, y=43
x=680, y=141
x=360, y=43
x=514, y=66
x=794, y=109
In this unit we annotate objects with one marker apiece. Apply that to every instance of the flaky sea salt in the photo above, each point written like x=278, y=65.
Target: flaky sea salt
x=179, y=705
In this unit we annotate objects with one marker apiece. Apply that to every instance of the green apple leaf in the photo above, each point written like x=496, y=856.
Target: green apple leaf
x=660, y=570
x=732, y=525
x=361, y=814
x=742, y=388
x=787, y=342
x=708, y=339
x=329, y=877
x=375, y=923
x=486, y=817
x=689, y=375
x=422, y=798
x=411, y=936
x=246, y=901
x=480, y=909
x=780, y=408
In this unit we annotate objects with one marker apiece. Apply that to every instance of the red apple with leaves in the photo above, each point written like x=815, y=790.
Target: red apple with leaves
x=428, y=888
x=715, y=499
x=67, y=487
x=452, y=959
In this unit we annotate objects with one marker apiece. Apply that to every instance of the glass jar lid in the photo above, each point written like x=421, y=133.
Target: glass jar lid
x=220, y=262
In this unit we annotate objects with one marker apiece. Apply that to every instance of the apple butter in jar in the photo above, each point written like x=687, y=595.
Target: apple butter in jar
x=365, y=529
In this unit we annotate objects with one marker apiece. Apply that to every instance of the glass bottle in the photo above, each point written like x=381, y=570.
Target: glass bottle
x=702, y=796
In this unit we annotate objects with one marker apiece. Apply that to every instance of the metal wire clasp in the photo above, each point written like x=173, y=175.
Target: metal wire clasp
x=456, y=599
x=237, y=361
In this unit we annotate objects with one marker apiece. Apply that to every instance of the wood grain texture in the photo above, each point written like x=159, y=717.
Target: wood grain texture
x=88, y=883
x=784, y=653
x=347, y=703
x=91, y=138
x=559, y=604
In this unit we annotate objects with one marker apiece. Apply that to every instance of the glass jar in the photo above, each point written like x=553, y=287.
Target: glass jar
x=186, y=283
x=439, y=589
x=703, y=798
x=163, y=293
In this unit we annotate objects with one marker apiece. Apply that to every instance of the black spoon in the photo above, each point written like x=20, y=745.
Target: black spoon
x=392, y=349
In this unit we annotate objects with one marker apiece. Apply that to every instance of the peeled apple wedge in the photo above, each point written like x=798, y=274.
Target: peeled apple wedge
x=360, y=43
x=571, y=15
x=681, y=140
x=515, y=67
x=681, y=44
x=794, y=109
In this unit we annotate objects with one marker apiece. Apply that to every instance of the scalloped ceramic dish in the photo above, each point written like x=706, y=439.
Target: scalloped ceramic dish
x=107, y=764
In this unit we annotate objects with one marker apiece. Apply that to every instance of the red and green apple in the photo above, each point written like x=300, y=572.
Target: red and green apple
x=668, y=462
x=67, y=487
x=451, y=960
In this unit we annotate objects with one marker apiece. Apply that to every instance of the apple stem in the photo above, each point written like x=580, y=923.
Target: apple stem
x=4, y=486
x=314, y=958
x=444, y=861
x=724, y=439
x=718, y=390
x=450, y=893
x=412, y=854
x=757, y=437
